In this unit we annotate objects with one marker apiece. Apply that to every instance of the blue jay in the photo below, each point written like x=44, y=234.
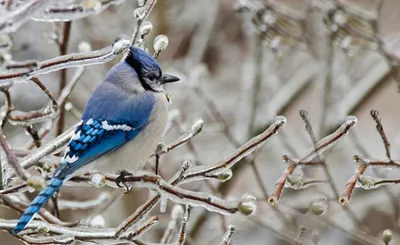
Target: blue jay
x=120, y=128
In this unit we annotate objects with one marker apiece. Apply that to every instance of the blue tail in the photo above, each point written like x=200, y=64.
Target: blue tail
x=53, y=185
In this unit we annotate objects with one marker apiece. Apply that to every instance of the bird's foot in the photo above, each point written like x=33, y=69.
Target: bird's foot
x=121, y=178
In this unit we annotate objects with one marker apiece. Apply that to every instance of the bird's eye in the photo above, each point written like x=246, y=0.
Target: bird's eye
x=151, y=76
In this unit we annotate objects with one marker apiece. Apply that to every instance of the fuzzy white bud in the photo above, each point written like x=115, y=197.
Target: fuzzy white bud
x=160, y=43
x=84, y=47
x=197, y=126
x=387, y=236
x=146, y=28
x=97, y=221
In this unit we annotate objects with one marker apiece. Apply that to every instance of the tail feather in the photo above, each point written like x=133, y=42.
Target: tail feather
x=53, y=185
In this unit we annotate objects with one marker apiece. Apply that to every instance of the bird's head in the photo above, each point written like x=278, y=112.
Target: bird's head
x=148, y=70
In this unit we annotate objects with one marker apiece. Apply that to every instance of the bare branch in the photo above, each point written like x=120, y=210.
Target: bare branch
x=381, y=131
x=228, y=235
x=12, y=160
x=72, y=60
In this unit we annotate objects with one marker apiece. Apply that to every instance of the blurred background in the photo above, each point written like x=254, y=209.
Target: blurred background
x=242, y=63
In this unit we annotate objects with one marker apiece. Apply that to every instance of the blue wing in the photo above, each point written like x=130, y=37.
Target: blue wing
x=112, y=118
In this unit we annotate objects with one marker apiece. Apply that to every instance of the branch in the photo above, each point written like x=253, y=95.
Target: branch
x=74, y=11
x=241, y=152
x=80, y=233
x=381, y=131
x=72, y=60
x=141, y=14
x=12, y=20
x=27, y=118
x=183, y=229
x=321, y=146
x=168, y=190
x=12, y=160
x=228, y=235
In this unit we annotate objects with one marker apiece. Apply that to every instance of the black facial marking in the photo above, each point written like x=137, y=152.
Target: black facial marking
x=145, y=66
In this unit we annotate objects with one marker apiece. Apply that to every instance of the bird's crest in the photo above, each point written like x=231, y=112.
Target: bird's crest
x=142, y=61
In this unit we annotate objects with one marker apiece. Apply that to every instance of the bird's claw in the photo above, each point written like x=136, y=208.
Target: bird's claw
x=121, y=178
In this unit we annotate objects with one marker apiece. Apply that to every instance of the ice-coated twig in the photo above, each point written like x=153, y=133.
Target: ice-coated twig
x=385, y=163
x=215, y=112
x=48, y=149
x=62, y=39
x=195, y=129
x=29, y=65
x=79, y=233
x=306, y=119
x=368, y=182
x=68, y=89
x=61, y=239
x=14, y=189
x=177, y=213
x=12, y=20
x=280, y=184
x=183, y=229
x=12, y=160
x=330, y=140
x=321, y=146
x=351, y=183
x=15, y=203
x=138, y=215
x=74, y=11
x=176, y=194
x=143, y=210
x=8, y=106
x=42, y=132
x=141, y=14
x=72, y=60
x=381, y=131
x=240, y=153
x=141, y=230
x=73, y=205
x=226, y=240
x=27, y=118
x=364, y=163
x=31, y=130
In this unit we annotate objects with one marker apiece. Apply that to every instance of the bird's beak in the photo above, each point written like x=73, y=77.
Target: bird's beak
x=166, y=78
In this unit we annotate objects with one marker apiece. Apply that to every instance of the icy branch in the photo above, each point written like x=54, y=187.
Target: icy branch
x=12, y=20
x=316, y=150
x=68, y=12
x=71, y=60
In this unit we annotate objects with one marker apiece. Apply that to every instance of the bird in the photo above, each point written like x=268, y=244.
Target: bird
x=122, y=124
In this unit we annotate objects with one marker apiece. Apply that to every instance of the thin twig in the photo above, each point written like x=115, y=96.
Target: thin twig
x=12, y=160
x=63, y=46
x=381, y=131
x=72, y=60
x=183, y=229
x=226, y=240
x=316, y=150
x=141, y=17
